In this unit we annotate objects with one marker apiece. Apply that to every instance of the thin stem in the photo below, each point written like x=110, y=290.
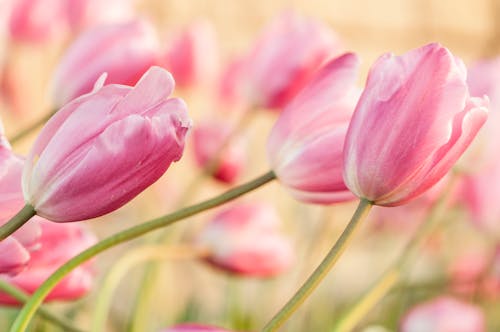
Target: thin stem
x=22, y=297
x=27, y=312
x=393, y=274
x=26, y=131
x=322, y=270
x=121, y=268
x=25, y=214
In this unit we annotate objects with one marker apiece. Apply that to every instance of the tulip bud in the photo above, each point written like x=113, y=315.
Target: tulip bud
x=245, y=239
x=413, y=121
x=124, y=51
x=284, y=58
x=208, y=140
x=104, y=148
x=305, y=145
x=444, y=314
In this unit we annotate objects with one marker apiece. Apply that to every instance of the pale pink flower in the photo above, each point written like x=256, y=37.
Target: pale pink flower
x=58, y=243
x=15, y=250
x=208, y=139
x=104, y=148
x=245, y=239
x=444, y=314
x=124, y=51
x=193, y=55
x=284, y=58
x=192, y=327
x=413, y=121
x=305, y=145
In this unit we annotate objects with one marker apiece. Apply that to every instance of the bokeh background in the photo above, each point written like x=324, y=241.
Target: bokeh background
x=188, y=290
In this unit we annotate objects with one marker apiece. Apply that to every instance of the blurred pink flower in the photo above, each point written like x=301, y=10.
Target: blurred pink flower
x=283, y=59
x=104, y=148
x=193, y=55
x=207, y=141
x=444, y=314
x=413, y=121
x=245, y=239
x=305, y=145
x=191, y=327
x=124, y=51
x=15, y=250
x=38, y=21
x=58, y=243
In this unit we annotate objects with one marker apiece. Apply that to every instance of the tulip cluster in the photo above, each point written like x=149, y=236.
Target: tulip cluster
x=116, y=129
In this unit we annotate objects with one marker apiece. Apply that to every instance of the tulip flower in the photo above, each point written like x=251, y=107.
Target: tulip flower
x=15, y=250
x=58, y=243
x=284, y=58
x=104, y=148
x=244, y=239
x=413, y=121
x=190, y=327
x=305, y=145
x=208, y=139
x=444, y=314
x=193, y=55
x=124, y=51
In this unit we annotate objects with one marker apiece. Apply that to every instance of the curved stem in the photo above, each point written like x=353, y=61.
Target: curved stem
x=27, y=312
x=25, y=214
x=26, y=131
x=122, y=266
x=22, y=297
x=322, y=270
x=393, y=274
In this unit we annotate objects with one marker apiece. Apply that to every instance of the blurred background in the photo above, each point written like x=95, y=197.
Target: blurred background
x=187, y=289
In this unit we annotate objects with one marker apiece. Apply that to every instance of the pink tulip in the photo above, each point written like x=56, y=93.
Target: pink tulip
x=189, y=327
x=413, y=121
x=15, y=250
x=208, y=139
x=124, y=51
x=245, y=239
x=284, y=58
x=305, y=145
x=38, y=21
x=444, y=314
x=104, y=148
x=193, y=55
x=59, y=243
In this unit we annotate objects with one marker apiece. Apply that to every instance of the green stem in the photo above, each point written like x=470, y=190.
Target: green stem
x=393, y=274
x=27, y=312
x=121, y=268
x=22, y=297
x=26, y=131
x=17, y=221
x=322, y=270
